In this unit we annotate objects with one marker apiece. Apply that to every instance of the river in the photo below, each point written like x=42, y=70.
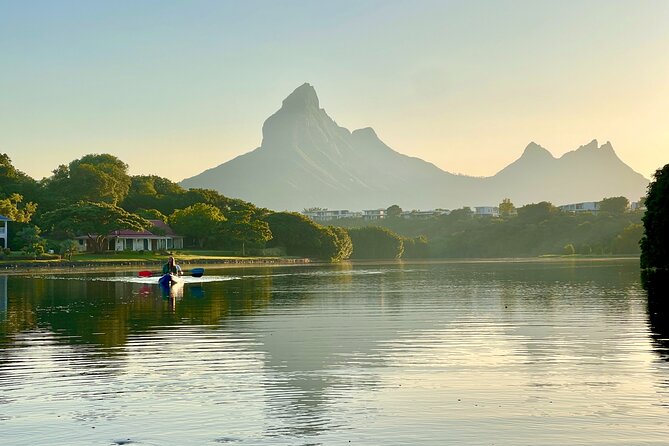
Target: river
x=470, y=353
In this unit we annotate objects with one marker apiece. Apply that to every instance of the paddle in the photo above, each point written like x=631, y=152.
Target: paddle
x=195, y=272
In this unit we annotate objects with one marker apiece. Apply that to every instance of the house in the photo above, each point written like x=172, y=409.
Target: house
x=638, y=206
x=587, y=206
x=418, y=214
x=486, y=211
x=3, y=230
x=162, y=238
x=318, y=214
x=374, y=214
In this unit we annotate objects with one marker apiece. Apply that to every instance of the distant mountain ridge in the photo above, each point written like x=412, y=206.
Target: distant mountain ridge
x=307, y=160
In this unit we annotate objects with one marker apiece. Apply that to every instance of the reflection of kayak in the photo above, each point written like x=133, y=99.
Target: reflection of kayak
x=169, y=280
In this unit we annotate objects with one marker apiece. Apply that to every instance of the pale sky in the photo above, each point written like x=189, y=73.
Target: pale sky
x=176, y=87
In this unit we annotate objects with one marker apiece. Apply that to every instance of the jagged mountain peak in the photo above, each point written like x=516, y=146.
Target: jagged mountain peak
x=366, y=133
x=535, y=150
x=592, y=150
x=591, y=145
x=306, y=159
x=607, y=146
x=303, y=98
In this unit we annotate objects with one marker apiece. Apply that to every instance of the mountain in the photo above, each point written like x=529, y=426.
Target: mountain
x=589, y=173
x=307, y=160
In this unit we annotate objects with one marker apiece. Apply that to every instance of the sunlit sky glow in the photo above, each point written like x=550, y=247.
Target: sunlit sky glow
x=174, y=88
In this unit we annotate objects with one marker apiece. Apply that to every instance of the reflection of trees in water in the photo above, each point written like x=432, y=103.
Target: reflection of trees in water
x=102, y=314
x=657, y=287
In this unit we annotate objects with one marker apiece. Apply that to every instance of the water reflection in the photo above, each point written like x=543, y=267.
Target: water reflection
x=308, y=352
x=399, y=353
x=3, y=296
x=657, y=287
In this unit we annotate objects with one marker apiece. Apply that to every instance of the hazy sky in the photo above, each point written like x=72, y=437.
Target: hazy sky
x=173, y=88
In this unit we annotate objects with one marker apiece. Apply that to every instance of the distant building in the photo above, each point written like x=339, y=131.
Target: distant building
x=418, y=214
x=587, y=206
x=374, y=214
x=128, y=240
x=3, y=229
x=318, y=214
x=637, y=206
x=486, y=211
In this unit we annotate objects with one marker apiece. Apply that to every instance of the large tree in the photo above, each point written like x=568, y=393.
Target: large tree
x=506, y=208
x=655, y=242
x=94, y=220
x=200, y=222
x=614, y=205
x=394, y=211
x=154, y=192
x=13, y=181
x=374, y=242
x=537, y=212
x=245, y=230
x=301, y=236
x=11, y=207
x=32, y=241
x=95, y=177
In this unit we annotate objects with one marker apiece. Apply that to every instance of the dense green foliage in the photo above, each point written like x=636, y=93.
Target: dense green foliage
x=32, y=241
x=506, y=208
x=374, y=242
x=95, y=220
x=96, y=177
x=102, y=178
x=394, y=211
x=13, y=208
x=300, y=236
x=537, y=229
x=94, y=195
x=13, y=181
x=337, y=246
x=242, y=230
x=199, y=222
x=415, y=247
x=655, y=241
x=614, y=205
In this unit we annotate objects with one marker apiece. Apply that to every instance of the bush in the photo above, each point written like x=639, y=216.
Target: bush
x=374, y=242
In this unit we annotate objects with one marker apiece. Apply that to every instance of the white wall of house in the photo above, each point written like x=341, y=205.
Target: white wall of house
x=328, y=215
x=147, y=244
x=373, y=214
x=138, y=243
x=488, y=211
x=587, y=206
x=3, y=232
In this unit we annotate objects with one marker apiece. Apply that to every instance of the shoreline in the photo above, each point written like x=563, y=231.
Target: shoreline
x=92, y=265
x=100, y=265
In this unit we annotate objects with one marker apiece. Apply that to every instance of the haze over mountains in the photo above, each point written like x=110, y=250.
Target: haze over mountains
x=307, y=160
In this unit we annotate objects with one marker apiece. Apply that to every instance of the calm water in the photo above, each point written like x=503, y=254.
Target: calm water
x=497, y=353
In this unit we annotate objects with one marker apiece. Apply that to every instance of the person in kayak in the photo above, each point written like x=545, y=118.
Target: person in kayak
x=172, y=267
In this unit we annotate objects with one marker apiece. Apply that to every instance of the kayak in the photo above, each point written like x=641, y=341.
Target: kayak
x=168, y=280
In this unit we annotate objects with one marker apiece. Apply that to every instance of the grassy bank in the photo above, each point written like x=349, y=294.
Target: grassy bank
x=123, y=258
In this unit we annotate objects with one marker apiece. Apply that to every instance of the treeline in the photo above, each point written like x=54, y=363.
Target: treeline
x=94, y=196
x=532, y=230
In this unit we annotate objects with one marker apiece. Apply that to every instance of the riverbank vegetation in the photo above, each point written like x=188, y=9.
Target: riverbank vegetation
x=94, y=195
x=655, y=241
x=533, y=230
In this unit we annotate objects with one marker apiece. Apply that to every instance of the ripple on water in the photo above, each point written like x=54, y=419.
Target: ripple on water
x=472, y=353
